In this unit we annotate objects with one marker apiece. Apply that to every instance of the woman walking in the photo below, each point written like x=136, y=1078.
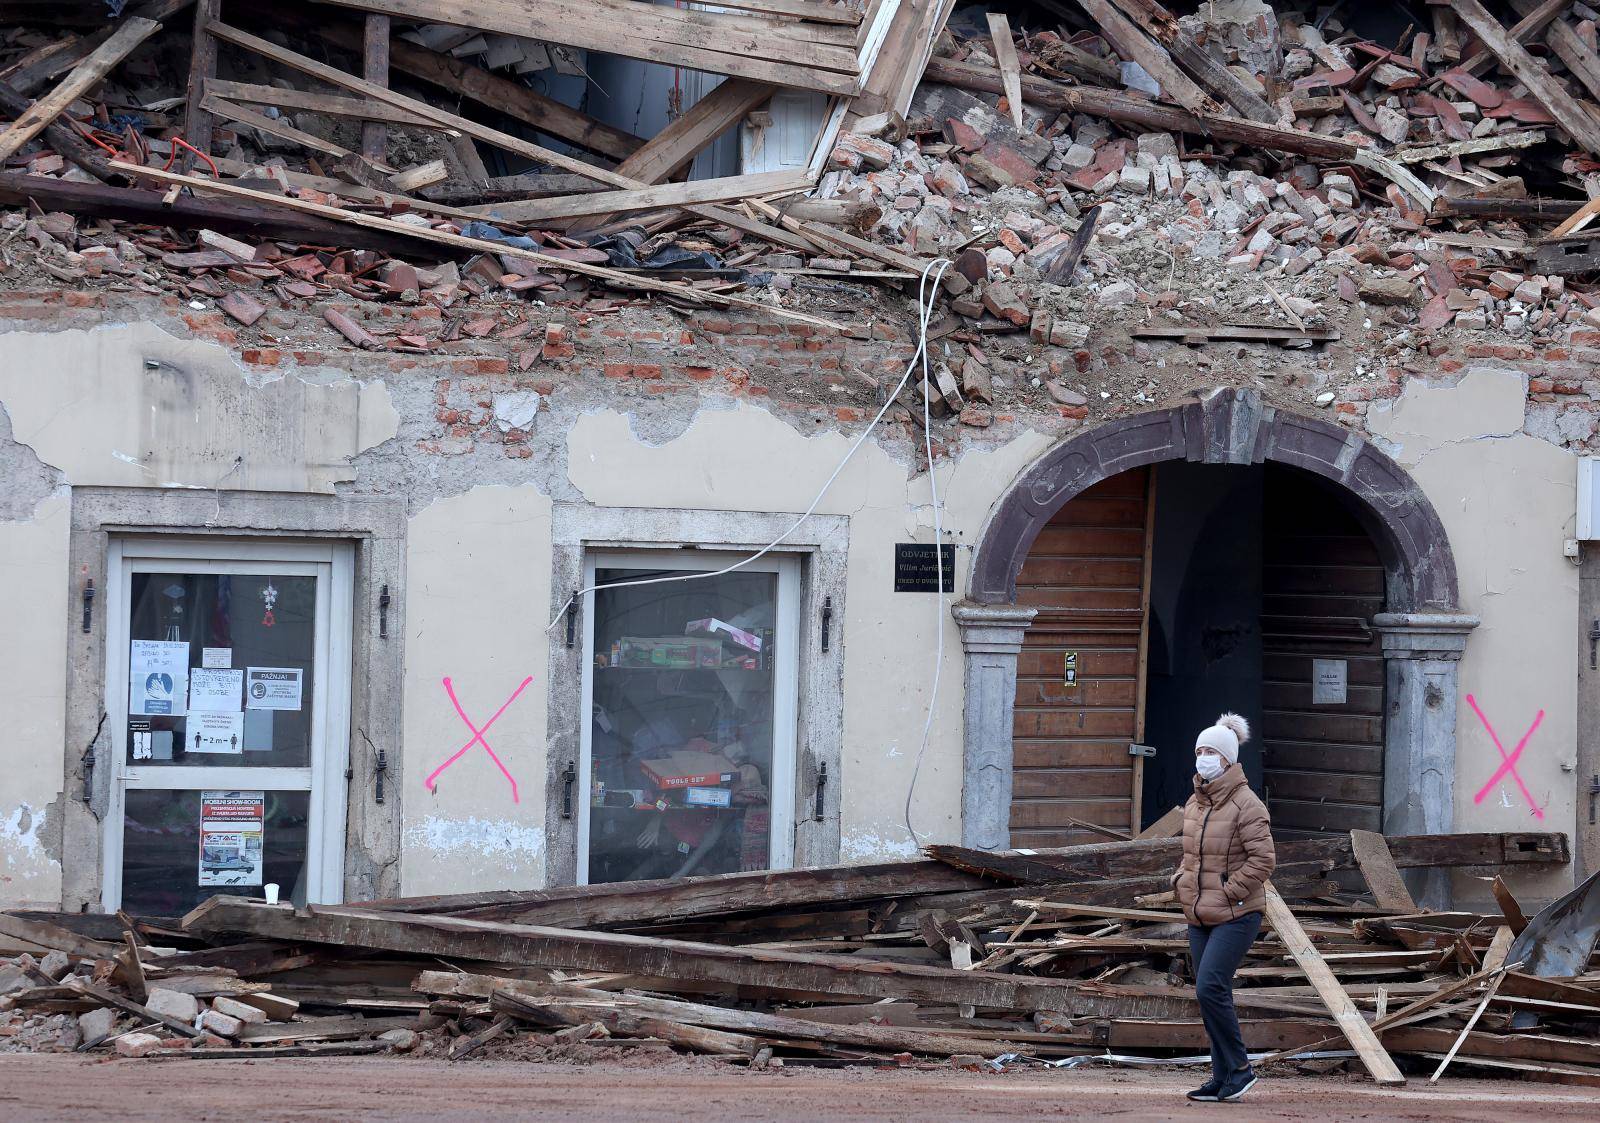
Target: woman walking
x=1227, y=858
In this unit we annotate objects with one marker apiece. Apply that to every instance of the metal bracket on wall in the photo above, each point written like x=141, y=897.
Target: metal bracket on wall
x=827, y=621
x=1594, y=642
x=383, y=617
x=572, y=621
x=569, y=777
x=88, y=604
x=822, y=787
x=1141, y=750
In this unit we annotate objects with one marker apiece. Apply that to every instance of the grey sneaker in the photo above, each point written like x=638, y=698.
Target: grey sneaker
x=1207, y=1092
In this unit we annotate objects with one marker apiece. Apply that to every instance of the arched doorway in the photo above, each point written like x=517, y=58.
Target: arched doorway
x=1419, y=635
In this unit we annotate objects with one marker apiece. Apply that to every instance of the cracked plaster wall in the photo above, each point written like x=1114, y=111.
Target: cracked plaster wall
x=75, y=400
x=1508, y=501
x=478, y=569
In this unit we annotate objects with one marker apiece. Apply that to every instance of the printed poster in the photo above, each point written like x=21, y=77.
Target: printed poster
x=158, y=677
x=215, y=732
x=216, y=656
x=216, y=690
x=232, y=831
x=272, y=688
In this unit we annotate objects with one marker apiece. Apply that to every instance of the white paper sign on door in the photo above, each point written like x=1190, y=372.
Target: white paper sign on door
x=272, y=688
x=232, y=833
x=216, y=656
x=216, y=690
x=158, y=677
x=210, y=732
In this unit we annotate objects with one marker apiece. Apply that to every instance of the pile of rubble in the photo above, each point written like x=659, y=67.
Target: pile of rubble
x=974, y=958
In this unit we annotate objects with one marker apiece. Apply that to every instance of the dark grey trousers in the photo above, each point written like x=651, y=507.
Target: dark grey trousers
x=1217, y=952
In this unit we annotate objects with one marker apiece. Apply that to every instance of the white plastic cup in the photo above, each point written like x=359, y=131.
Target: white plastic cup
x=272, y=892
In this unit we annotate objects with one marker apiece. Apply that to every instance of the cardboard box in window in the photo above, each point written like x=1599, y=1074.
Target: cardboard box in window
x=689, y=770
x=676, y=653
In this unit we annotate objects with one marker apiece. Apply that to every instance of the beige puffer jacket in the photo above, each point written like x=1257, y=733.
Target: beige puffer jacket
x=1227, y=850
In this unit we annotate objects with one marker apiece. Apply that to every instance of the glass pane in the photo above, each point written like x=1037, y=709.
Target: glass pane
x=180, y=847
x=682, y=726
x=220, y=669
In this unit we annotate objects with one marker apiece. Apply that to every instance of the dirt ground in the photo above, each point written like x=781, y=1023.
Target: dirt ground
x=63, y=1087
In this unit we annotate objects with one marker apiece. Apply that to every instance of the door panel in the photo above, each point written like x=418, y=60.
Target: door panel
x=1323, y=581
x=1087, y=576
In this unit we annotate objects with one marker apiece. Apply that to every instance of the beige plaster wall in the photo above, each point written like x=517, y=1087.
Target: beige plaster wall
x=92, y=404
x=33, y=679
x=762, y=463
x=478, y=568
x=1507, y=501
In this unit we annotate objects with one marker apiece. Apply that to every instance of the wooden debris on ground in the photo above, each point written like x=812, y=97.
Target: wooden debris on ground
x=1040, y=955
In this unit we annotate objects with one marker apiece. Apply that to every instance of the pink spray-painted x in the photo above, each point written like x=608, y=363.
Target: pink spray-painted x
x=477, y=738
x=1508, y=761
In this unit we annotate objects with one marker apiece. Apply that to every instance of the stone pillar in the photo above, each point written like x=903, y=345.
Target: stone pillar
x=991, y=635
x=1421, y=652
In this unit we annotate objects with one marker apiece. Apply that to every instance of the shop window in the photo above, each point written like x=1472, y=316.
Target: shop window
x=691, y=689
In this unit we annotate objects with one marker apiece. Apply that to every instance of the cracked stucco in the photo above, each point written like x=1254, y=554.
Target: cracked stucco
x=1508, y=501
x=33, y=611
x=128, y=405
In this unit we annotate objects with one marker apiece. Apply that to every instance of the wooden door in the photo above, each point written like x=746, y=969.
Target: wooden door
x=1322, y=583
x=1080, y=678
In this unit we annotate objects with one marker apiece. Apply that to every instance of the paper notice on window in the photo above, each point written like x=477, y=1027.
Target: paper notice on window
x=216, y=656
x=215, y=732
x=272, y=688
x=158, y=677
x=216, y=690
x=232, y=831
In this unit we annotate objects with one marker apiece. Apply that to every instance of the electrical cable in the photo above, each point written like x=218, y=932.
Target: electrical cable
x=925, y=315
x=938, y=556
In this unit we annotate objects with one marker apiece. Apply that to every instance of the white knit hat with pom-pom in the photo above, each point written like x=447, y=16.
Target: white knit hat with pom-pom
x=1225, y=737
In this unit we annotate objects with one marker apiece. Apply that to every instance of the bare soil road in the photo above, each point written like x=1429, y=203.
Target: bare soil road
x=66, y=1087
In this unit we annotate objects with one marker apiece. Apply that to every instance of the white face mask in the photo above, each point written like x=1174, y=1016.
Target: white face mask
x=1210, y=766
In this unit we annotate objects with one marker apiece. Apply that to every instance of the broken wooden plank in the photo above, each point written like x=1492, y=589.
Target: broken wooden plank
x=197, y=123
x=1526, y=30
x=228, y=111
x=1372, y=855
x=1115, y=106
x=1476, y=146
x=66, y=141
x=1377, y=1062
x=335, y=105
x=1133, y=45
x=1005, y=55
x=53, y=936
x=1206, y=333
x=88, y=73
x=762, y=970
x=375, y=69
x=264, y=1052
x=611, y=276
x=798, y=1025
x=807, y=57
x=1214, y=76
x=618, y=1019
x=1516, y=921
x=590, y=203
x=1569, y=115
x=703, y=122
x=107, y=997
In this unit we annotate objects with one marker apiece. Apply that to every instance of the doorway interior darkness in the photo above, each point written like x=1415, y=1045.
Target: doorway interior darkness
x=1255, y=592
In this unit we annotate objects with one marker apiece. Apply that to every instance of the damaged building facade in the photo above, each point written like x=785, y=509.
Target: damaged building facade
x=367, y=578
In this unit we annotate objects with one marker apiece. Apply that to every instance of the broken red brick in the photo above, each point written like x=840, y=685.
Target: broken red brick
x=242, y=307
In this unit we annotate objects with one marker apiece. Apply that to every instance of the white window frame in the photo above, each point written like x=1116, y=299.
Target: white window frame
x=333, y=565
x=785, y=683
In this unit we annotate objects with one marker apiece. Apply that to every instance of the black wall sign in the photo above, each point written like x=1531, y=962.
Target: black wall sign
x=916, y=570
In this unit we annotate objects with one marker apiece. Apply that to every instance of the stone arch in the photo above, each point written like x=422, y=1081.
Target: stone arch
x=1228, y=427
x=1424, y=632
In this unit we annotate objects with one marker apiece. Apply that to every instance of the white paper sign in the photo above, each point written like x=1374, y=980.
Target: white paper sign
x=216, y=656
x=1328, y=682
x=158, y=677
x=272, y=688
x=215, y=690
x=209, y=732
x=232, y=833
